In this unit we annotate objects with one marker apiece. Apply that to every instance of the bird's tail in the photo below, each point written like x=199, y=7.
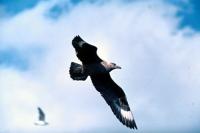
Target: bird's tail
x=76, y=73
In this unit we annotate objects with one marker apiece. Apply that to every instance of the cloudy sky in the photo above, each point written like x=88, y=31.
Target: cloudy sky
x=156, y=42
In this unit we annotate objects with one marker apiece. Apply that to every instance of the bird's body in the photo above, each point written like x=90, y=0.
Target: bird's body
x=41, y=123
x=41, y=118
x=98, y=70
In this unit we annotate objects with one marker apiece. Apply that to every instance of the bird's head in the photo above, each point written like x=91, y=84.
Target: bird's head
x=113, y=66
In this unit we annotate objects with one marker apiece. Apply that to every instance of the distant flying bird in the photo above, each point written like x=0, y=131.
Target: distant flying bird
x=98, y=70
x=41, y=119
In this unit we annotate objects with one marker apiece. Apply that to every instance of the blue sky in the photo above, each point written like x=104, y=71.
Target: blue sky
x=12, y=57
x=156, y=42
x=189, y=12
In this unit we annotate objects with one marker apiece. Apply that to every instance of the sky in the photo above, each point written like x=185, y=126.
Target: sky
x=156, y=42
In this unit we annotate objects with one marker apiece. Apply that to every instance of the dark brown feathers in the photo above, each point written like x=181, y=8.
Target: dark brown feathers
x=98, y=70
x=87, y=53
x=115, y=98
x=76, y=72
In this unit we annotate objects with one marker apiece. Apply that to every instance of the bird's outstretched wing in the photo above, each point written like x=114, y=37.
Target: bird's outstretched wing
x=41, y=114
x=87, y=53
x=115, y=98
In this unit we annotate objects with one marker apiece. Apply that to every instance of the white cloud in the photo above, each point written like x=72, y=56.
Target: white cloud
x=160, y=68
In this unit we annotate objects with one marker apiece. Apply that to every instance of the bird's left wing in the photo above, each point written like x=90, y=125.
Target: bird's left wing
x=41, y=114
x=86, y=52
x=115, y=98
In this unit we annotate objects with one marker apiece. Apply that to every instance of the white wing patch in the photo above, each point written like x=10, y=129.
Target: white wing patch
x=127, y=114
x=81, y=43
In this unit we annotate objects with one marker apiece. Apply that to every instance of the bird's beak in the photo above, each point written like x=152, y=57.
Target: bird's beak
x=118, y=67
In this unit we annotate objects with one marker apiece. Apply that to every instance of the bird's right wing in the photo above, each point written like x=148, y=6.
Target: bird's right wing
x=41, y=114
x=87, y=53
x=115, y=98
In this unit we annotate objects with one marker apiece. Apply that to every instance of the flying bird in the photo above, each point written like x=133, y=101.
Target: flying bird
x=41, y=119
x=98, y=70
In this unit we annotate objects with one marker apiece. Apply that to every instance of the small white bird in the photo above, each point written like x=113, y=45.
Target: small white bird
x=41, y=119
